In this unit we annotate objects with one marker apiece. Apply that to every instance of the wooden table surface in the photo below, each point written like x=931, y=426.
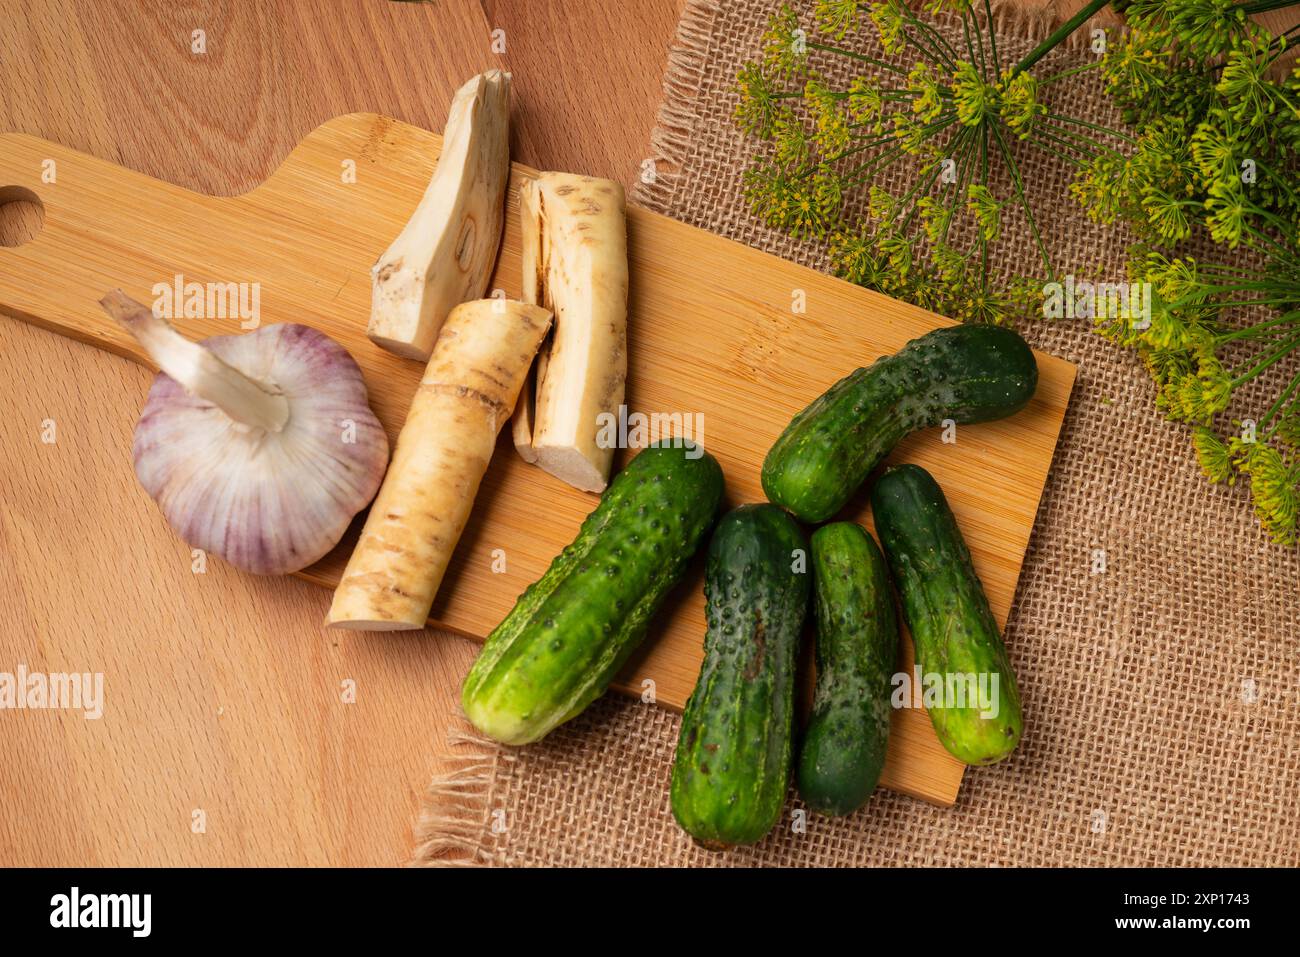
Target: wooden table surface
x=337, y=782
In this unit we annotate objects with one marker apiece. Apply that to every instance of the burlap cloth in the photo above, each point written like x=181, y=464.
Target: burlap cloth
x=1160, y=696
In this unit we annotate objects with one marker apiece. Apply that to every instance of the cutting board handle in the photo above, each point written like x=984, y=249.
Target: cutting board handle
x=92, y=214
x=106, y=227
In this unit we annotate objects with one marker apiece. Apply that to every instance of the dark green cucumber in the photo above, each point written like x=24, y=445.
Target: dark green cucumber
x=843, y=747
x=964, y=373
x=572, y=629
x=732, y=767
x=956, y=639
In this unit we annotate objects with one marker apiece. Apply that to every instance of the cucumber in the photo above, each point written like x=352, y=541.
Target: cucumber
x=843, y=748
x=571, y=630
x=964, y=373
x=732, y=767
x=952, y=627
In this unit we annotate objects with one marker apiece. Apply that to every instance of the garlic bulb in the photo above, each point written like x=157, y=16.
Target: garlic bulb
x=258, y=447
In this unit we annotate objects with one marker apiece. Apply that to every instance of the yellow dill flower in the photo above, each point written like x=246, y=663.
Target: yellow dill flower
x=1018, y=103
x=986, y=210
x=889, y=20
x=790, y=146
x=975, y=100
x=936, y=218
x=1213, y=455
x=1273, y=490
x=927, y=99
x=1228, y=212
x=785, y=44
x=897, y=251
x=837, y=17
x=832, y=129
x=756, y=109
x=866, y=103
x=882, y=205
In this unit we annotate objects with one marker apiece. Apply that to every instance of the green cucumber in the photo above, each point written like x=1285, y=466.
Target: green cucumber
x=843, y=748
x=964, y=373
x=571, y=630
x=732, y=767
x=956, y=639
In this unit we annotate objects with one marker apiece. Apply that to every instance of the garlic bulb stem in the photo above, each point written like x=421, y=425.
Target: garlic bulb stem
x=200, y=372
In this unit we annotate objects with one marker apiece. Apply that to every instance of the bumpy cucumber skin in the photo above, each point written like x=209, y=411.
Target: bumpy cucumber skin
x=966, y=373
x=946, y=610
x=572, y=629
x=844, y=743
x=732, y=767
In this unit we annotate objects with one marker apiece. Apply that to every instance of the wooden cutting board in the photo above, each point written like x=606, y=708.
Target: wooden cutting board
x=719, y=332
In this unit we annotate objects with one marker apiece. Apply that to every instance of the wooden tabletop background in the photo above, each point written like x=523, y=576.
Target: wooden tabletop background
x=334, y=782
x=274, y=767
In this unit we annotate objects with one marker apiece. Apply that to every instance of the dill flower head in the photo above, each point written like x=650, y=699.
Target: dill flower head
x=791, y=146
x=897, y=251
x=985, y=305
x=975, y=100
x=1019, y=104
x=986, y=210
x=804, y=200
x=1244, y=87
x=1287, y=430
x=785, y=45
x=1228, y=213
x=1214, y=146
x=866, y=104
x=1101, y=187
x=1213, y=455
x=882, y=205
x=757, y=109
x=1203, y=27
x=936, y=218
x=832, y=128
x=853, y=258
x=949, y=264
x=890, y=19
x=1135, y=65
x=1273, y=489
x=927, y=99
x=837, y=17
x=911, y=135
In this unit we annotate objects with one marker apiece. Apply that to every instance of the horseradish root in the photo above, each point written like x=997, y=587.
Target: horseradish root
x=258, y=447
x=468, y=391
x=445, y=253
x=574, y=264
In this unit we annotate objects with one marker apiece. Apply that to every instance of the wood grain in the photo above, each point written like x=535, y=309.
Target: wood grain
x=90, y=576
x=714, y=338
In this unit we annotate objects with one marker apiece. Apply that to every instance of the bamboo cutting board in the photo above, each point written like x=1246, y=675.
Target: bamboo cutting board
x=715, y=336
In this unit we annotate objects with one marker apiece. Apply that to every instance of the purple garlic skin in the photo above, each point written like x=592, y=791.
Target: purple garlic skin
x=269, y=503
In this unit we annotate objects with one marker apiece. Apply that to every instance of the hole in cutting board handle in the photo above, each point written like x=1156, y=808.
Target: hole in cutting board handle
x=22, y=214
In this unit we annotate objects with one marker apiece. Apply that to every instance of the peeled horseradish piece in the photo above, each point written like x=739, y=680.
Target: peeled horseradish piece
x=574, y=238
x=258, y=447
x=445, y=253
x=467, y=393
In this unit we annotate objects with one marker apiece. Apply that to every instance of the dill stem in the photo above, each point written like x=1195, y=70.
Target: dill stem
x=1286, y=348
x=1059, y=35
x=1250, y=332
x=852, y=55
x=1280, y=404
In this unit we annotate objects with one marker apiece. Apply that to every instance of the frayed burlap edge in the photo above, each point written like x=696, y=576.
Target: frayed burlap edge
x=675, y=121
x=454, y=826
